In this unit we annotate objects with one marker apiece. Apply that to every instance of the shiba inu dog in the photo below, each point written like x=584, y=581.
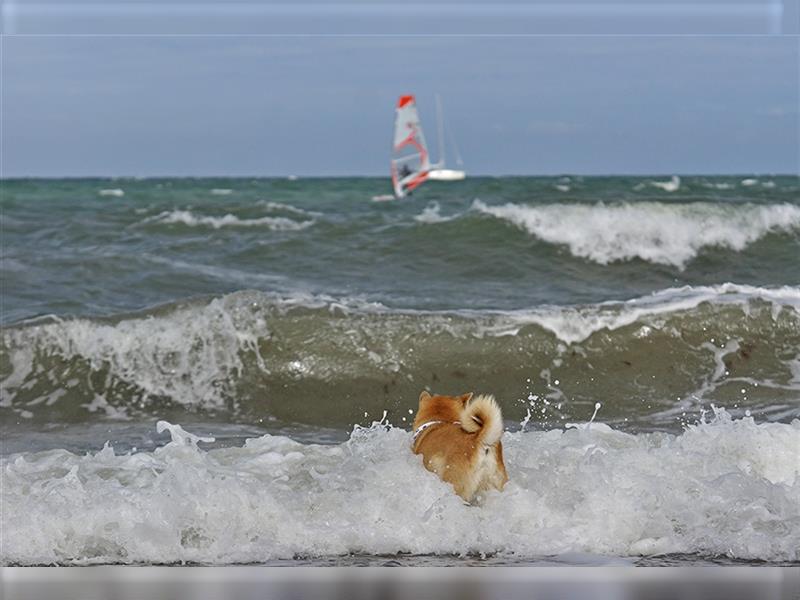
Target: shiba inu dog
x=459, y=439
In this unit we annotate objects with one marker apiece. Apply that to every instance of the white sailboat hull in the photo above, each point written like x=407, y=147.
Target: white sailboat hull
x=446, y=175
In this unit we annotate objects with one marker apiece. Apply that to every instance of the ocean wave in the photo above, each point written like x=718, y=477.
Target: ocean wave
x=254, y=354
x=186, y=217
x=673, y=185
x=431, y=214
x=670, y=234
x=726, y=487
x=113, y=192
x=184, y=353
x=577, y=324
x=283, y=207
x=238, y=276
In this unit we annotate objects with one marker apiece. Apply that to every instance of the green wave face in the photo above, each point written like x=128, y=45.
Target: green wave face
x=323, y=363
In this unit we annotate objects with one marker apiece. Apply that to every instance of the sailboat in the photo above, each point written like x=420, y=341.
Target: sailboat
x=410, y=163
x=440, y=172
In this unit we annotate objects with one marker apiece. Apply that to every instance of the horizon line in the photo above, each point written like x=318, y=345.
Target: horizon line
x=353, y=176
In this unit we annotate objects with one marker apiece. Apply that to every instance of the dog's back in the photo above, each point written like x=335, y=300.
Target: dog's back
x=459, y=439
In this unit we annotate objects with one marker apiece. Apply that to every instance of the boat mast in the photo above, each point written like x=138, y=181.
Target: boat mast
x=440, y=130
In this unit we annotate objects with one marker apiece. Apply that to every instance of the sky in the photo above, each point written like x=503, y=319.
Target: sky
x=249, y=105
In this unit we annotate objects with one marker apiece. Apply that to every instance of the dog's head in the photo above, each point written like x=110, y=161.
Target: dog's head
x=434, y=406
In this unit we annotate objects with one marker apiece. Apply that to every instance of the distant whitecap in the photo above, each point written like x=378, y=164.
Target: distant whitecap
x=431, y=215
x=668, y=186
x=186, y=217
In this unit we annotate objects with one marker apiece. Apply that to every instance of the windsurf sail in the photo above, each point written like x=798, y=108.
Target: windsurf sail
x=410, y=159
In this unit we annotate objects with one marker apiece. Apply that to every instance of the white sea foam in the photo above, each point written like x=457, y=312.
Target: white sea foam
x=576, y=324
x=722, y=488
x=221, y=191
x=189, y=354
x=187, y=217
x=668, y=186
x=282, y=207
x=671, y=234
x=431, y=214
x=114, y=192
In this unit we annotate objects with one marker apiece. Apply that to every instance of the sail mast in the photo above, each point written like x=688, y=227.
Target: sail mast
x=410, y=163
x=440, y=131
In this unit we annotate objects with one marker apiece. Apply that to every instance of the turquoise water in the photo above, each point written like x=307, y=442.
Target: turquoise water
x=278, y=315
x=73, y=249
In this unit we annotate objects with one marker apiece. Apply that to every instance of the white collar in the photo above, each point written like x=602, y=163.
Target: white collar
x=427, y=424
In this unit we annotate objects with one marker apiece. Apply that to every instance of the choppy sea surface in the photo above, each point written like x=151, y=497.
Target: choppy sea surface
x=220, y=371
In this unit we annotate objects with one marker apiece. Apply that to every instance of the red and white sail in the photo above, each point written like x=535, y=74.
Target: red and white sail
x=410, y=159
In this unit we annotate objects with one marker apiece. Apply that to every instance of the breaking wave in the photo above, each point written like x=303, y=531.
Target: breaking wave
x=327, y=361
x=673, y=185
x=726, y=487
x=283, y=207
x=188, y=218
x=670, y=234
x=185, y=352
x=432, y=214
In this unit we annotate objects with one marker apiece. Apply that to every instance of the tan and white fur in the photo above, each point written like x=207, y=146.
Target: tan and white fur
x=459, y=439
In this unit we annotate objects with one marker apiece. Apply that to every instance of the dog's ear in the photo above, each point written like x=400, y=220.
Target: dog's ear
x=465, y=398
x=424, y=396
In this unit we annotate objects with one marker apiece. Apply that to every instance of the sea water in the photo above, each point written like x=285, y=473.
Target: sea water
x=223, y=371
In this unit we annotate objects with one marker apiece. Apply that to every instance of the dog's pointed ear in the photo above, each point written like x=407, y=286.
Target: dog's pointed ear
x=466, y=398
x=424, y=395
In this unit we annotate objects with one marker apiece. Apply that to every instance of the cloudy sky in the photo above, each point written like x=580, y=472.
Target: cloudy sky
x=323, y=105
